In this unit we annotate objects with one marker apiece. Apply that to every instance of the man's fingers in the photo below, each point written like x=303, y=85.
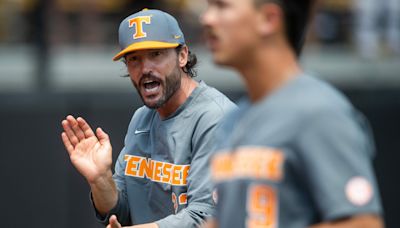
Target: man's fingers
x=102, y=136
x=69, y=132
x=87, y=130
x=210, y=224
x=114, y=222
x=76, y=128
x=67, y=143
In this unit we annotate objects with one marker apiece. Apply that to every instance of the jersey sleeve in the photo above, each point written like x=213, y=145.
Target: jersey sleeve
x=199, y=193
x=336, y=151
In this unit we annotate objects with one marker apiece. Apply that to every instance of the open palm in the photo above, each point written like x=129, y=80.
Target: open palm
x=90, y=153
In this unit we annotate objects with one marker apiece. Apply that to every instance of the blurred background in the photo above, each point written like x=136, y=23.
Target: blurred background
x=55, y=60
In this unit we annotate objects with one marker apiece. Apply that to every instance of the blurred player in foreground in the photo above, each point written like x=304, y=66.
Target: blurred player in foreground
x=161, y=177
x=299, y=154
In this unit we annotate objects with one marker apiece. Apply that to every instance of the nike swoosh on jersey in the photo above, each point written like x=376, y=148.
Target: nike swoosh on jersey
x=141, y=132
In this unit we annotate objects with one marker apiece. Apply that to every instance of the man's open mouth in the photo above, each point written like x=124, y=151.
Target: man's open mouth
x=151, y=85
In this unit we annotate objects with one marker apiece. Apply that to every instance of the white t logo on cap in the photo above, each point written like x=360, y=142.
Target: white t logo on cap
x=138, y=22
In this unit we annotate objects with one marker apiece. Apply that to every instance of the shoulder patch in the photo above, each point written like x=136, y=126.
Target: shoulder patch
x=359, y=191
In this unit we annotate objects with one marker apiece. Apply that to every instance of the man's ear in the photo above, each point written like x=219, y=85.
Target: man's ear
x=183, y=56
x=270, y=18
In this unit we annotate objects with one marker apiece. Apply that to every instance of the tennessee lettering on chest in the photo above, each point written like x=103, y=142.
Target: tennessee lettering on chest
x=156, y=171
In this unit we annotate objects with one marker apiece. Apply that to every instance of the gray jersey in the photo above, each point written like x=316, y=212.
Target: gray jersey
x=300, y=156
x=162, y=173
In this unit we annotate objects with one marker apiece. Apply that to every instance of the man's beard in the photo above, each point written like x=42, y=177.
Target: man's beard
x=169, y=86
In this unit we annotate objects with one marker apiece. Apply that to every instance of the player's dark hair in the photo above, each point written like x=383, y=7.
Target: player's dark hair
x=297, y=14
x=190, y=67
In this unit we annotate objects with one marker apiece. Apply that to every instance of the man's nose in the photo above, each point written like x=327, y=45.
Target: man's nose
x=207, y=17
x=147, y=66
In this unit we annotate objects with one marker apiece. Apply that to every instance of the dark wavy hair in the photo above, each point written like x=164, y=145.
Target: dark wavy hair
x=297, y=14
x=190, y=67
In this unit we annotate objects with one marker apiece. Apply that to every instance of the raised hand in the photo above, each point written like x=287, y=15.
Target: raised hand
x=90, y=153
